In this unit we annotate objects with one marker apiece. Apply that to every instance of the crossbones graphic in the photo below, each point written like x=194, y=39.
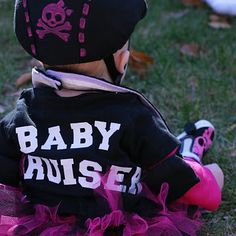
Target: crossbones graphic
x=57, y=30
x=53, y=21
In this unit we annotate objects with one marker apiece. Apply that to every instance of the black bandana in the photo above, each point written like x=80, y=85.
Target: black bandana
x=60, y=32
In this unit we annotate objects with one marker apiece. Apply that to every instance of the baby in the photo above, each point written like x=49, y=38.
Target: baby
x=90, y=156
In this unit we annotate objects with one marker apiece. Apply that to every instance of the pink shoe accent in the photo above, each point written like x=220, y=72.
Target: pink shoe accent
x=196, y=139
x=203, y=143
x=207, y=135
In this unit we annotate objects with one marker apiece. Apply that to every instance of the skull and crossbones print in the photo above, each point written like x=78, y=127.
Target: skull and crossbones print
x=53, y=21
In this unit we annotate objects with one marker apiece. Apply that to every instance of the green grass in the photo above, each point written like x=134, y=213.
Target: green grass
x=13, y=60
x=183, y=88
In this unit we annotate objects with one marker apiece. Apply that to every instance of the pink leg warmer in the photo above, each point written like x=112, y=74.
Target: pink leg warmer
x=205, y=194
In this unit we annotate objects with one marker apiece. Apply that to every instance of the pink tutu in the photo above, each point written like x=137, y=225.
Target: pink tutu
x=18, y=217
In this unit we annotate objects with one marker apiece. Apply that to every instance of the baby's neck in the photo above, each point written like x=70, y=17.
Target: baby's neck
x=96, y=69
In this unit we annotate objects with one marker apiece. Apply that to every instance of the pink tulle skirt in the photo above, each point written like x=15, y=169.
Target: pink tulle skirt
x=18, y=217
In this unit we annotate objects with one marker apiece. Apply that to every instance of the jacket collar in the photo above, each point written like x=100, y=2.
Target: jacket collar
x=59, y=80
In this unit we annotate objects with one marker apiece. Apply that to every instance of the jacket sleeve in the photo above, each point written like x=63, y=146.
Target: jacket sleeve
x=149, y=140
x=153, y=147
x=174, y=171
x=9, y=154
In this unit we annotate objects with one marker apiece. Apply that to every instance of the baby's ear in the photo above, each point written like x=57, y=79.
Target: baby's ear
x=36, y=63
x=121, y=59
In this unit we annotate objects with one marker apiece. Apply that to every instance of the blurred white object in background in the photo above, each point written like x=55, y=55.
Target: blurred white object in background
x=227, y=7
